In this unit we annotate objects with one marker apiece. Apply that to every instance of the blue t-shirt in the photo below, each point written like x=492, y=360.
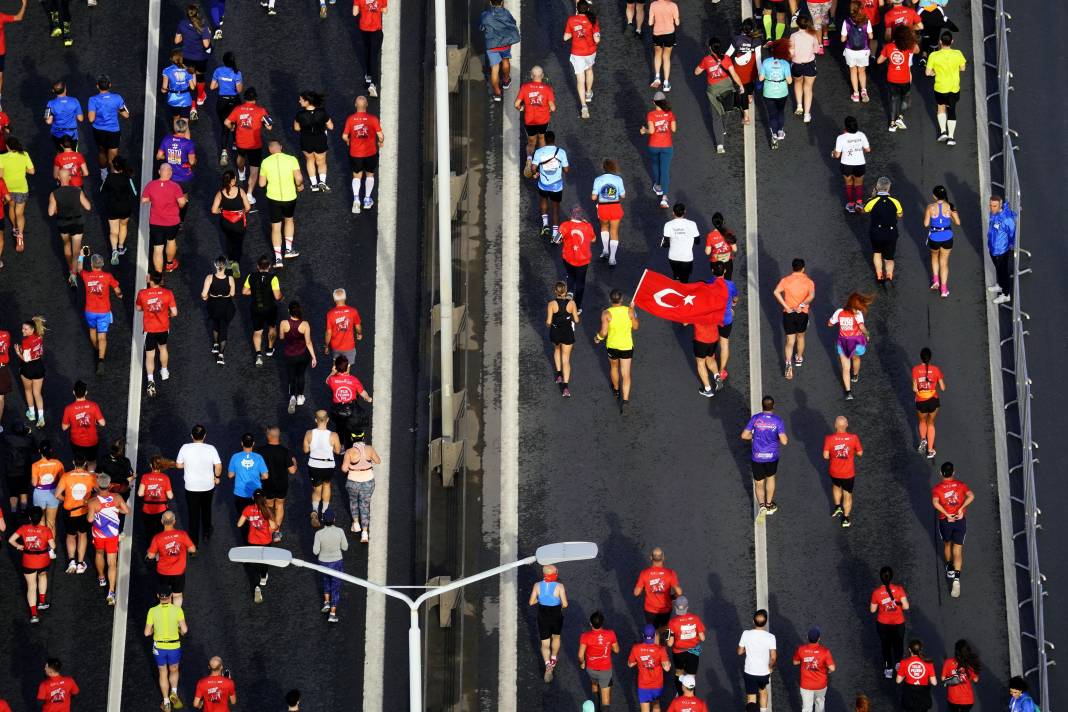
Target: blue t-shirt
x=176, y=151
x=775, y=72
x=64, y=111
x=550, y=161
x=106, y=106
x=178, y=79
x=227, y=79
x=766, y=428
x=609, y=188
x=247, y=468
x=732, y=292
x=193, y=40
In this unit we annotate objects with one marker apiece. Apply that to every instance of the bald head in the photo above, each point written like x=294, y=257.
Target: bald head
x=361, y=103
x=64, y=176
x=165, y=171
x=657, y=555
x=841, y=424
x=537, y=73
x=168, y=519
x=215, y=664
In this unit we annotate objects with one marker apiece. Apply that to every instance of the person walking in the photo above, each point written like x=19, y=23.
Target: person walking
x=608, y=193
x=215, y=692
x=951, y=499
x=550, y=164
x=852, y=342
x=266, y=292
x=311, y=123
x=248, y=120
x=281, y=465
x=745, y=61
x=651, y=660
x=119, y=197
x=576, y=238
x=168, y=548
x=358, y=467
x=159, y=307
x=839, y=449
x=537, y=101
x=774, y=74
x=584, y=34
x=329, y=546
x=194, y=37
x=757, y=645
x=343, y=328
x=500, y=31
x=68, y=205
x=816, y=663
x=36, y=543
x=767, y=433
x=202, y=471
x=257, y=518
x=720, y=246
x=805, y=44
x=889, y=603
x=857, y=37
x=659, y=585
x=618, y=324
x=885, y=211
x=663, y=22
x=363, y=135
x=281, y=177
x=179, y=84
x=16, y=165
x=685, y=634
x=680, y=236
x=795, y=293
x=166, y=199
x=321, y=445
x=1001, y=244
x=178, y=150
x=719, y=272
x=369, y=14
x=946, y=64
x=45, y=475
x=218, y=294
x=916, y=676
x=719, y=90
x=63, y=114
x=74, y=489
x=595, y=650
x=298, y=352
x=165, y=625
x=959, y=674
x=939, y=218
x=660, y=126
x=850, y=148
x=550, y=597
x=562, y=316
x=898, y=54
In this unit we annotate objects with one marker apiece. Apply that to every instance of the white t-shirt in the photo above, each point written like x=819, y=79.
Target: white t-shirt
x=851, y=146
x=758, y=645
x=199, y=460
x=681, y=234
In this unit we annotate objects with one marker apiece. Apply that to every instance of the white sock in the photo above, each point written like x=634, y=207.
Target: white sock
x=355, y=188
x=270, y=4
x=952, y=124
x=613, y=245
x=315, y=504
x=544, y=220
x=322, y=177
x=278, y=253
x=289, y=242
x=241, y=174
x=942, y=123
x=604, y=240
x=368, y=186
x=151, y=378
x=314, y=179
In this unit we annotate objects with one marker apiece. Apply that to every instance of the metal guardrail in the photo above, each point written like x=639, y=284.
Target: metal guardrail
x=1028, y=517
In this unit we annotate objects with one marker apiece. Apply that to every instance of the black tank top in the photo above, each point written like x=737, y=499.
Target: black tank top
x=262, y=293
x=68, y=203
x=219, y=287
x=234, y=204
x=561, y=319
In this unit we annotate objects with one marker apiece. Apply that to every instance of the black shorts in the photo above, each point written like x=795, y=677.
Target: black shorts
x=199, y=66
x=276, y=487
x=846, y=483
x=106, y=139
x=754, y=683
x=175, y=581
x=252, y=156
x=762, y=470
x=777, y=6
x=71, y=228
x=803, y=69
x=155, y=339
x=947, y=99
x=89, y=452
x=616, y=354
x=794, y=322
x=725, y=330
x=550, y=621
x=279, y=209
x=552, y=195
x=886, y=248
x=667, y=40
x=264, y=320
x=32, y=370
x=686, y=662
x=3, y=57
x=18, y=485
x=852, y=171
x=160, y=235
x=364, y=164
x=536, y=129
x=75, y=525
x=953, y=532
x=320, y=475
x=659, y=620
x=703, y=350
x=313, y=143
x=26, y=569
x=928, y=406
x=943, y=245
x=181, y=111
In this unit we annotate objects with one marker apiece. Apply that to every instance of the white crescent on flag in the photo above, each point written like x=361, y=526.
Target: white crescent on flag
x=659, y=298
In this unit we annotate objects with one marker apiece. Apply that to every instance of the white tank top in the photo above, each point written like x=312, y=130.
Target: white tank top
x=320, y=451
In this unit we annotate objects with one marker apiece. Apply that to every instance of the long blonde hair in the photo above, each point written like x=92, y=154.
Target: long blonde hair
x=37, y=323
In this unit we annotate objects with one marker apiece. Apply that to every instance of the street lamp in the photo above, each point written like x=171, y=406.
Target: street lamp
x=547, y=554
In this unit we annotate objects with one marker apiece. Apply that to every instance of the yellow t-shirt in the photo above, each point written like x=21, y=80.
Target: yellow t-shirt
x=946, y=65
x=278, y=169
x=15, y=166
x=164, y=619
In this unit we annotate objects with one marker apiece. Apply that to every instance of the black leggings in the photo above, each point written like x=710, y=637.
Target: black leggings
x=223, y=106
x=957, y=708
x=220, y=328
x=892, y=639
x=235, y=239
x=899, y=99
x=296, y=367
x=255, y=572
x=60, y=6
x=576, y=282
x=372, y=52
x=681, y=270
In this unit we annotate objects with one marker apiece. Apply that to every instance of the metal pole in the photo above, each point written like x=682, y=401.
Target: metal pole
x=415, y=663
x=444, y=221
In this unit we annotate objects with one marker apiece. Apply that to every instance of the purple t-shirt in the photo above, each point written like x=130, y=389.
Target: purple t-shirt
x=766, y=428
x=193, y=41
x=176, y=151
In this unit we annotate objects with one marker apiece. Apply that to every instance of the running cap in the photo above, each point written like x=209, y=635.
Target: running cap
x=688, y=681
x=814, y=634
x=328, y=517
x=649, y=634
x=659, y=96
x=682, y=604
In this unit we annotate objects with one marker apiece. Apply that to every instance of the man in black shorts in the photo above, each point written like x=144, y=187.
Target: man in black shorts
x=66, y=204
x=951, y=499
x=885, y=211
x=262, y=285
x=705, y=336
x=18, y=456
x=158, y=306
x=537, y=102
x=280, y=465
x=795, y=293
x=551, y=599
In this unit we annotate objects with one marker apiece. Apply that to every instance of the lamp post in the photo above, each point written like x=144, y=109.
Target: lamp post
x=547, y=554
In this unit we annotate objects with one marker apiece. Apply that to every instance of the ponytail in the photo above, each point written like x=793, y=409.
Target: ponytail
x=886, y=575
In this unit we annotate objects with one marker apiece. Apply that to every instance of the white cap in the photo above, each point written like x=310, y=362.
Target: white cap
x=688, y=681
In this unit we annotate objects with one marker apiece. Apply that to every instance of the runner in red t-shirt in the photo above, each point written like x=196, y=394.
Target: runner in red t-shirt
x=166, y=199
x=687, y=701
x=897, y=54
x=595, y=657
x=719, y=89
x=889, y=603
x=363, y=135
x=685, y=633
x=56, y=690
x=659, y=584
x=537, y=101
x=216, y=692
x=916, y=676
x=98, y=288
x=964, y=668
x=901, y=14
x=839, y=449
x=576, y=239
x=158, y=305
x=926, y=382
x=816, y=664
x=247, y=121
x=6, y=19
x=38, y=545
x=82, y=418
x=260, y=527
x=169, y=548
x=951, y=499
x=652, y=662
x=659, y=126
x=155, y=492
x=585, y=34
x=369, y=13
x=72, y=161
x=345, y=391
x=343, y=328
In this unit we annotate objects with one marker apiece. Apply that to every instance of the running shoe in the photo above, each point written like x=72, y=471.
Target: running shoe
x=1002, y=299
x=951, y=141
x=721, y=380
x=827, y=40
x=259, y=359
x=507, y=84
x=291, y=254
x=269, y=353
x=110, y=599
x=194, y=115
x=888, y=673
x=559, y=379
x=356, y=206
x=43, y=606
x=789, y=372
x=667, y=85
x=846, y=522
x=263, y=579
x=82, y=568
x=954, y=589
x=611, y=263
x=657, y=189
x=278, y=264
x=664, y=201
x=220, y=360
x=368, y=202
x=931, y=454
x=315, y=187
x=945, y=291
x=34, y=619
x=799, y=111
x=859, y=206
x=854, y=378
x=900, y=123
x=271, y=11
x=782, y=135
x=923, y=446
x=624, y=406
x=72, y=566
x=257, y=595
x=566, y=393
x=854, y=97
x=324, y=187
x=851, y=207
x=720, y=149
x=772, y=508
x=122, y=250
x=150, y=389
x=114, y=257
x=548, y=676
x=935, y=284
x=949, y=570
x=322, y=12
x=332, y=618
x=276, y=537
x=706, y=392
x=838, y=511
x=589, y=96
x=300, y=401
x=215, y=348
x=218, y=33
x=170, y=266
x=164, y=374
x=799, y=360
x=72, y=280
x=655, y=84
x=101, y=581
x=604, y=255
x=372, y=91
x=849, y=395
x=20, y=241
x=892, y=128
x=315, y=520
x=292, y=407
x=355, y=528
x=40, y=421
x=325, y=608
x=943, y=137
x=864, y=96
x=585, y=113
x=235, y=270
x=545, y=231
x=364, y=537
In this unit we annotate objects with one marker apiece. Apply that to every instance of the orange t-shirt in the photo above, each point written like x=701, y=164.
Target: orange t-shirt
x=77, y=487
x=796, y=286
x=46, y=473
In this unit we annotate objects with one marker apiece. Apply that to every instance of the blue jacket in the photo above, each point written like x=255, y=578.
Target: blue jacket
x=1001, y=233
x=499, y=27
x=1023, y=703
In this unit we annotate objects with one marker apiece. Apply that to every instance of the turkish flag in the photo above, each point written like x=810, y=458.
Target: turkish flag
x=685, y=303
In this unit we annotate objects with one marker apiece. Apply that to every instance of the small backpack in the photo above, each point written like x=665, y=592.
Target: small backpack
x=856, y=36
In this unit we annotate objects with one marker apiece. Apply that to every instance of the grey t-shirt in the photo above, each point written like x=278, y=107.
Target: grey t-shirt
x=329, y=542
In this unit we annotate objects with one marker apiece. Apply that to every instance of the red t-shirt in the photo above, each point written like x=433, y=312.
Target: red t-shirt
x=4, y=706
x=362, y=129
x=342, y=322
x=35, y=542
x=81, y=417
x=370, y=17
x=56, y=692
x=715, y=68
x=901, y=15
x=98, y=286
x=649, y=659
x=4, y=19
x=898, y=65
x=926, y=379
x=721, y=249
x=345, y=387
x=962, y=694
x=33, y=347
x=687, y=704
x=746, y=71
x=156, y=303
x=5, y=120
x=73, y=162
x=577, y=239
x=842, y=448
x=951, y=495
x=536, y=98
x=171, y=545
x=157, y=486
x=814, y=660
x=215, y=691
x=687, y=630
x=871, y=9
x=916, y=671
x=598, y=648
x=889, y=611
x=163, y=195
x=259, y=529
x=661, y=121
x=582, y=33
x=658, y=583
x=248, y=120
x=5, y=347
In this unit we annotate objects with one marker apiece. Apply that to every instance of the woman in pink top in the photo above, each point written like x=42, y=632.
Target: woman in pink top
x=663, y=18
x=804, y=45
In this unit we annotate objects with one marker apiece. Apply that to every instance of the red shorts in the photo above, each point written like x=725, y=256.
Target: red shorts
x=107, y=545
x=609, y=211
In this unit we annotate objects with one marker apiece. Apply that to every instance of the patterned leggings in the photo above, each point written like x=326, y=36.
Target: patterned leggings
x=360, y=501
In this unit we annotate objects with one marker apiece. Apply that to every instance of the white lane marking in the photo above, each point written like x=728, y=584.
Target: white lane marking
x=509, y=488
x=133, y=393
x=382, y=407
x=993, y=342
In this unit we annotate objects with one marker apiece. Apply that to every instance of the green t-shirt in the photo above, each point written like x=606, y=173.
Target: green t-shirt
x=164, y=621
x=15, y=166
x=946, y=65
x=278, y=169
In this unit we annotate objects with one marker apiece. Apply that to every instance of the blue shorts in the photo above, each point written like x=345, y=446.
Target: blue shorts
x=99, y=322
x=649, y=695
x=45, y=498
x=496, y=56
x=953, y=532
x=166, y=656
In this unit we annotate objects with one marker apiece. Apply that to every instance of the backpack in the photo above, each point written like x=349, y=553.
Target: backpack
x=856, y=36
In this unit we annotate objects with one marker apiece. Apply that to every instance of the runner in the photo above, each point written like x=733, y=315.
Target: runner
x=898, y=56
x=343, y=328
x=119, y=196
x=56, y=690
x=745, y=61
x=358, y=466
x=551, y=599
x=66, y=204
x=618, y=324
x=217, y=12
x=795, y=293
x=935, y=21
x=346, y=391
x=660, y=125
x=659, y=585
x=281, y=177
x=247, y=121
x=774, y=73
x=31, y=368
x=918, y=675
x=853, y=337
x=98, y=288
x=103, y=511
x=321, y=446
x=329, y=546
x=169, y=547
x=292, y=700
x=1001, y=245
x=758, y=647
x=19, y=460
x=262, y=285
x=550, y=163
x=312, y=123
x=857, y=37
x=608, y=193
x=218, y=294
x=105, y=109
x=260, y=529
x=951, y=499
x=500, y=32
x=889, y=602
x=686, y=701
x=652, y=662
x=232, y=206
x=959, y=674
x=298, y=351
x=720, y=246
x=82, y=418
x=774, y=19
x=705, y=336
x=167, y=199
x=900, y=15
x=363, y=135
x=767, y=432
x=939, y=218
x=718, y=89
x=158, y=305
x=370, y=13
x=216, y=692
x=839, y=449
x=228, y=82
x=15, y=165
x=584, y=33
x=805, y=44
x=178, y=150
x=179, y=84
x=6, y=19
x=822, y=13
x=849, y=148
x=5, y=197
x=663, y=21
x=37, y=543
x=74, y=489
x=885, y=210
x=685, y=633
x=595, y=654
x=202, y=469
x=680, y=235
x=816, y=663
x=63, y=113
x=45, y=475
x=117, y=466
x=946, y=65
x=926, y=381
x=194, y=37
x=280, y=466
x=166, y=625
x=69, y=159
x=155, y=492
x=537, y=101
x=562, y=316
x=248, y=471
x=719, y=271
